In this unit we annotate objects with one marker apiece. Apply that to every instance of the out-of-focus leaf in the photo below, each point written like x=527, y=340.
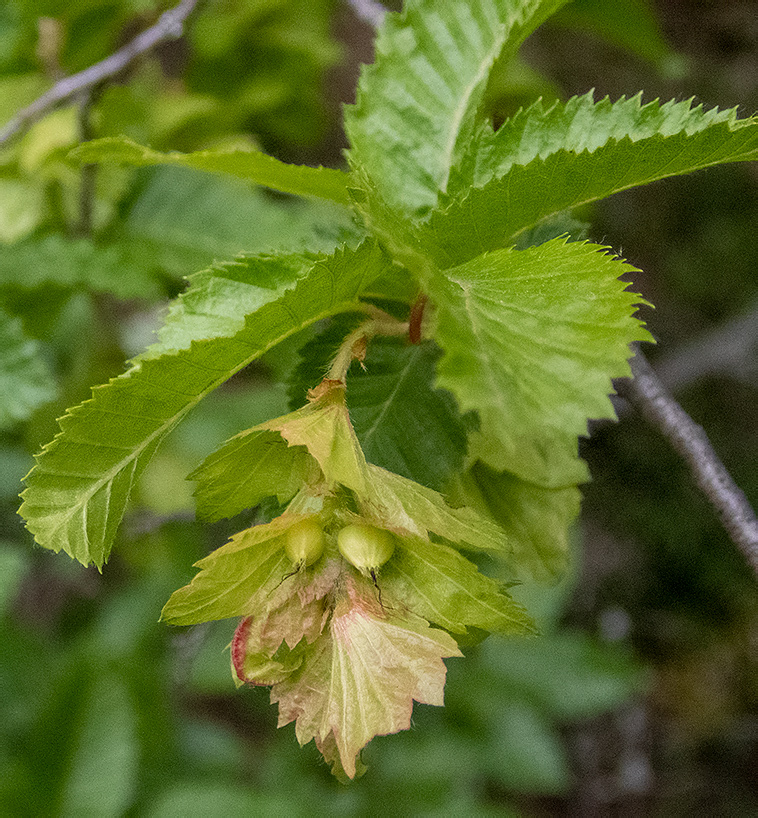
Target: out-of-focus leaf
x=26, y=382
x=64, y=262
x=184, y=220
x=569, y=674
x=13, y=566
x=631, y=24
x=103, y=772
x=22, y=208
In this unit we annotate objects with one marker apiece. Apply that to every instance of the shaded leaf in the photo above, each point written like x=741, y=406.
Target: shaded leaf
x=70, y=263
x=26, y=382
x=253, y=465
x=536, y=519
x=403, y=423
x=184, y=220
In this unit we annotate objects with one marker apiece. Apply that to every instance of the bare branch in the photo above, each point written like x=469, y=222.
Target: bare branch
x=170, y=26
x=370, y=11
x=690, y=441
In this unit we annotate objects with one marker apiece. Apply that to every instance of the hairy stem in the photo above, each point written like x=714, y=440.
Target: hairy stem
x=690, y=441
x=354, y=345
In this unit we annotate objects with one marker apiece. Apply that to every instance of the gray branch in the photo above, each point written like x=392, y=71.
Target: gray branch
x=689, y=440
x=170, y=26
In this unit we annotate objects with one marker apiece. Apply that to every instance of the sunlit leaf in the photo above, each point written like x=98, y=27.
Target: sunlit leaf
x=546, y=160
x=78, y=491
x=254, y=166
x=417, y=103
x=532, y=339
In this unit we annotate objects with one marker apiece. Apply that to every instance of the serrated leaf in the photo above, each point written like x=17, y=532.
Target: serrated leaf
x=436, y=582
x=361, y=678
x=399, y=503
x=532, y=339
x=417, y=103
x=26, y=382
x=78, y=491
x=253, y=465
x=536, y=519
x=232, y=577
x=546, y=161
x=323, y=427
x=253, y=166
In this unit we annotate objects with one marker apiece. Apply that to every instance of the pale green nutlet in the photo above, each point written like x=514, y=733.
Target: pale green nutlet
x=304, y=541
x=365, y=546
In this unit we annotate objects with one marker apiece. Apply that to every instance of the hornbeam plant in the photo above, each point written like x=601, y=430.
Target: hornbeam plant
x=464, y=331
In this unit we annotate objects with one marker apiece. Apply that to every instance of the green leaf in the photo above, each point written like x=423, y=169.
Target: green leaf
x=323, y=427
x=630, y=24
x=544, y=161
x=78, y=491
x=252, y=563
x=73, y=263
x=104, y=764
x=219, y=298
x=360, y=679
x=535, y=519
x=417, y=103
x=532, y=339
x=254, y=166
x=253, y=465
x=25, y=379
x=184, y=219
x=412, y=508
x=22, y=209
x=403, y=423
x=569, y=674
x=436, y=582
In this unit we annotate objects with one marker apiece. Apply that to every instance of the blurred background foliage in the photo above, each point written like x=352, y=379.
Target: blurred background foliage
x=640, y=698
